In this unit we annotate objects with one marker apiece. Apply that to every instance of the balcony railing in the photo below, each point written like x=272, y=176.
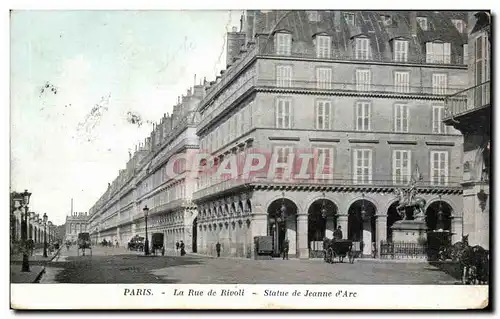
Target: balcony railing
x=344, y=55
x=338, y=180
x=322, y=86
x=470, y=99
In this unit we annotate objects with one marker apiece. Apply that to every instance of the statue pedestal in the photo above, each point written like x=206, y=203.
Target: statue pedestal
x=409, y=231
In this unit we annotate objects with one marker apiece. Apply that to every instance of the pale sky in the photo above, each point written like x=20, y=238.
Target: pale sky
x=122, y=61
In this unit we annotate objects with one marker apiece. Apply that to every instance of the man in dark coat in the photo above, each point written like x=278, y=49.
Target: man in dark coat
x=217, y=249
x=177, y=247
x=337, y=234
x=183, y=252
x=286, y=247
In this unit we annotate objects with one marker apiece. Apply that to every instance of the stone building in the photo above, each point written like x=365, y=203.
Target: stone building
x=76, y=223
x=470, y=112
x=35, y=230
x=148, y=180
x=363, y=93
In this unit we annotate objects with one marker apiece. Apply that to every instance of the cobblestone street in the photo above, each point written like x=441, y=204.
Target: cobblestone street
x=116, y=265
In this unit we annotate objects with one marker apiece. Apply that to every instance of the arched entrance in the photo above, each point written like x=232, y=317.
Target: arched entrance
x=194, y=235
x=438, y=221
x=392, y=217
x=282, y=223
x=361, y=224
x=322, y=221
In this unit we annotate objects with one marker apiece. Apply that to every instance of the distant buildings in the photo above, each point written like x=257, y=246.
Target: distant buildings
x=360, y=94
x=75, y=223
x=470, y=112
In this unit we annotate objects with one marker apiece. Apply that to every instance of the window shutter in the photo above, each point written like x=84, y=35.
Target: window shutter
x=429, y=52
x=326, y=120
x=447, y=53
x=290, y=114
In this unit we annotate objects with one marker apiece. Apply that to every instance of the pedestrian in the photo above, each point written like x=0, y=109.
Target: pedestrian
x=217, y=249
x=177, y=247
x=286, y=247
x=116, y=244
x=183, y=252
x=163, y=250
x=337, y=234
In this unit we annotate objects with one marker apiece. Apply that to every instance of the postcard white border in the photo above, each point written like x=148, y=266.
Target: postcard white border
x=158, y=296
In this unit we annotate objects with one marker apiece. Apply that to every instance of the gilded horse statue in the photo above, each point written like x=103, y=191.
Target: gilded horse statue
x=408, y=199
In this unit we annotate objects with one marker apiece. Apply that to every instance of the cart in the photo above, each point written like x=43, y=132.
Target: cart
x=338, y=248
x=84, y=243
x=157, y=243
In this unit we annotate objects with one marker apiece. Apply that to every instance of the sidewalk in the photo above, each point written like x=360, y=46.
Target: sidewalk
x=36, y=270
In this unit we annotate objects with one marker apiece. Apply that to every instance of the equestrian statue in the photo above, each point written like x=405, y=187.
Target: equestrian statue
x=408, y=199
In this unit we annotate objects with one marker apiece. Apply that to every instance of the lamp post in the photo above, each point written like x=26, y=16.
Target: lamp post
x=26, y=200
x=323, y=207
x=45, y=235
x=146, y=241
x=363, y=210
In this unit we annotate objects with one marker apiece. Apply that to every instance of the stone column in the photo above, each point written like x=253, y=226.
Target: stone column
x=342, y=222
x=302, y=235
x=456, y=228
x=330, y=226
x=380, y=231
x=258, y=227
x=291, y=234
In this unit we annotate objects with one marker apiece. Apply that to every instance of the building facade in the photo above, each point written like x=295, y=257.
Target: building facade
x=470, y=112
x=76, y=223
x=364, y=93
x=36, y=228
x=156, y=176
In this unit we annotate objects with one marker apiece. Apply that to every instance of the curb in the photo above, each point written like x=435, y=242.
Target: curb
x=39, y=277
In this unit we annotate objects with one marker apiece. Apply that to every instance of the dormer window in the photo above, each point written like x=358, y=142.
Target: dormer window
x=459, y=24
x=323, y=46
x=313, y=16
x=362, y=48
x=350, y=18
x=438, y=52
x=283, y=43
x=400, y=50
x=386, y=20
x=422, y=22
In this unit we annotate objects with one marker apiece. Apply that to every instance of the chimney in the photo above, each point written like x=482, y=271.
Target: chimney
x=194, y=79
x=413, y=23
x=234, y=29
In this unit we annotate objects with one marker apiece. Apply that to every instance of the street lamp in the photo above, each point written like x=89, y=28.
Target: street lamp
x=323, y=207
x=24, y=234
x=45, y=235
x=146, y=241
x=363, y=210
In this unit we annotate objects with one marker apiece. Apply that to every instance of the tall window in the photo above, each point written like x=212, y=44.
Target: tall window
x=402, y=82
x=350, y=18
x=401, y=167
x=439, y=168
x=323, y=109
x=323, y=46
x=401, y=117
x=482, y=71
x=400, y=51
x=438, y=52
x=363, y=80
x=326, y=155
x=438, y=126
x=362, y=166
x=324, y=78
x=283, y=75
x=422, y=22
x=283, y=152
x=466, y=54
x=362, y=48
x=283, y=43
x=439, y=84
x=459, y=24
x=283, y=113
x=363, y=116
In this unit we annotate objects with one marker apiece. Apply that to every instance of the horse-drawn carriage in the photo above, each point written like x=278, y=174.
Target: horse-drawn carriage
x=340, y=248
x=84, y=243
x=136, y=243
x=157, y=243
